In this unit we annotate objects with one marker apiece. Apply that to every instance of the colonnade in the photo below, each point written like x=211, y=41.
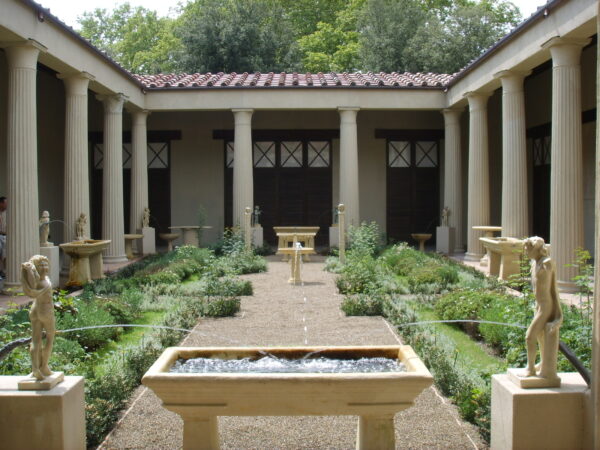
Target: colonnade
x=566, y=184
x=22, y=173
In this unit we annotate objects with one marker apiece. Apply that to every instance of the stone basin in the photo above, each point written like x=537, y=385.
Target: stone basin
x=504, y=255
x=86, y=260
x=376, y=397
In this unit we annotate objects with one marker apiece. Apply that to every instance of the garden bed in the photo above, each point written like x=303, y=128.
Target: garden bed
x=171, y=290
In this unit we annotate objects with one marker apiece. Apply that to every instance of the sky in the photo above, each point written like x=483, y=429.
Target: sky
x=69, y=10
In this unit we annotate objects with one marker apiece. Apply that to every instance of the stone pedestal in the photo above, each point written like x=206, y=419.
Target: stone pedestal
x=257, y=236
x=334, y=237
x=444, y=240
x=53, y=419
x=52, y=254
x=147, y=245
x=548, y=418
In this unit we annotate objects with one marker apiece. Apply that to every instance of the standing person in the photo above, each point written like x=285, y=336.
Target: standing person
x=3, y=206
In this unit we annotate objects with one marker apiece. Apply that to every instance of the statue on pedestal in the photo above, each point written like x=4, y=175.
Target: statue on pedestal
x=80, y=227
x=45, y=229
x=256, y=216
x=36, y=284
x=146, y=218
x=545, y=326
x=445, y=215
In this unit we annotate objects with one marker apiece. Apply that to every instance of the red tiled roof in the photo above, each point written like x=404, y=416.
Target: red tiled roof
x=294, y=80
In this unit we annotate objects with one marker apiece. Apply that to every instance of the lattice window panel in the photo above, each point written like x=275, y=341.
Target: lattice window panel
x=399, y=154
x=426, y=154
x=319, y=154
x=229, y=155
x=98, y=156
x=158, y=155
x=291, y=154
x=264, y=154
x=541, y=151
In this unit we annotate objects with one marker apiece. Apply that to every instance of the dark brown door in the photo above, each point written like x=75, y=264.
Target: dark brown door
x=541, y=186
x=412, y=188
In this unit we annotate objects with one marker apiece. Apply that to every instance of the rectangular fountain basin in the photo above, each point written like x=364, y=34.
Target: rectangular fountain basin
x=245, y=394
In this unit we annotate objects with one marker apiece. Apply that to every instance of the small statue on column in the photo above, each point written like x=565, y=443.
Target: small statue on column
x=45, y=229
x=544, y=328
x=80, y=224
x=256, y=216
x=146, y=218
x=36, y=284
x=445, y=216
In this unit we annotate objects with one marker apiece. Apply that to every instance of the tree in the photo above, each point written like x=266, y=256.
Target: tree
x=136, y=38
x=235, y=36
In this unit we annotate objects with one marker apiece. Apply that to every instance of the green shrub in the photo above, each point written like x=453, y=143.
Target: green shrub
x=363, y=305
x=89, y=313
x=359, y=274
x=365, y=238
x=222, y=306
x=465, y=304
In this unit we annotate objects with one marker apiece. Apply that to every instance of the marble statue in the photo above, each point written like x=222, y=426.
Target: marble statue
x=80, y=227
x=146, y=218
x=445, y=215
x=544, y=327
x=45, y=229
x=256, y=216
x=36, y=284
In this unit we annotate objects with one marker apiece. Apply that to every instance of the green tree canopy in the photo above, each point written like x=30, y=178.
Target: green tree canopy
x=135, y=37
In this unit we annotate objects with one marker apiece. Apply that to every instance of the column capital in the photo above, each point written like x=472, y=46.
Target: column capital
x=76, y=83
x=139, y=116
x=477, y=100
x=113, y=103
x=23, y=54
x=242, y=116
x=565, y=51
x=512, y=80
x=348, y=113
x=348, y=108
x=452, y=115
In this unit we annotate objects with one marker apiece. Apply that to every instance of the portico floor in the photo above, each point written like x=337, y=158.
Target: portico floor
x=276, y=315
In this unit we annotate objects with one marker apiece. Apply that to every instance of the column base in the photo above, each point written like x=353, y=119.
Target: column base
x=473, y=256
x=115, y=259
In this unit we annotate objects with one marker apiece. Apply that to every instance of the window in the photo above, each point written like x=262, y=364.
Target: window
x=229, y=154
x=291, y=154
x=426, y=154
x=399, y=154
x=318, y=154
x=157, y=153
x=541, y=150
x=264, y=154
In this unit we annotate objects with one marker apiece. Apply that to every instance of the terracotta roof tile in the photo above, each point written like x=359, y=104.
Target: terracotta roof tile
x=222, y=80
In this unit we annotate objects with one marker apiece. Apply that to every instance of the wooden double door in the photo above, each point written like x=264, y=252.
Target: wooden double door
x=413, y=186
x=292, y=185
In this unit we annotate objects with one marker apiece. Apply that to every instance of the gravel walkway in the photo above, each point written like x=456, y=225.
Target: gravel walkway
x=278, y=314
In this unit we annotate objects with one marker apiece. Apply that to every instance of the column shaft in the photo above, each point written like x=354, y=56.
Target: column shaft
x=76, y=183
x=479, y=178
x=595, y=388
x=515, y=211
x=112, y=178
x=139, y=170
x=22, y=175
x=453, y=175
x=349, y=188
x=243, y=182
x=566, y=176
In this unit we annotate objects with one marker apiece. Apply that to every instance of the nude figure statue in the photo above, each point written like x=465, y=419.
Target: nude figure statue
x=544, y=327
x=36, y=284
x=45, y=229
x=80, y=227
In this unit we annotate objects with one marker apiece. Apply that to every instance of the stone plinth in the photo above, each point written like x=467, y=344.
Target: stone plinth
x=257, y=236
x=53, y=419
x=444, y=240
x=147, y=245
x=548, y=418
x=52, y=254
x=334, y=236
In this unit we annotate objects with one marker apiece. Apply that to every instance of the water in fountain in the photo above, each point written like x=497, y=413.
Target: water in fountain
x=66, y=226
x=272, y=364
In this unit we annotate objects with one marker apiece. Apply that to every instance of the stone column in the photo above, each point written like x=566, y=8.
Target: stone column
x=515, y=212
x=349, y=165
x=595, y=388
x=77, y=180
x=453, y=175
x=112, y=178
x=22, y=174
x=139, y=169
x=243, y=181
x=566, y=176
x=478, y=209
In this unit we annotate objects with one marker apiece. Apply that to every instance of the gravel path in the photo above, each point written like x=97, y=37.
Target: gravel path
x=280, y=314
